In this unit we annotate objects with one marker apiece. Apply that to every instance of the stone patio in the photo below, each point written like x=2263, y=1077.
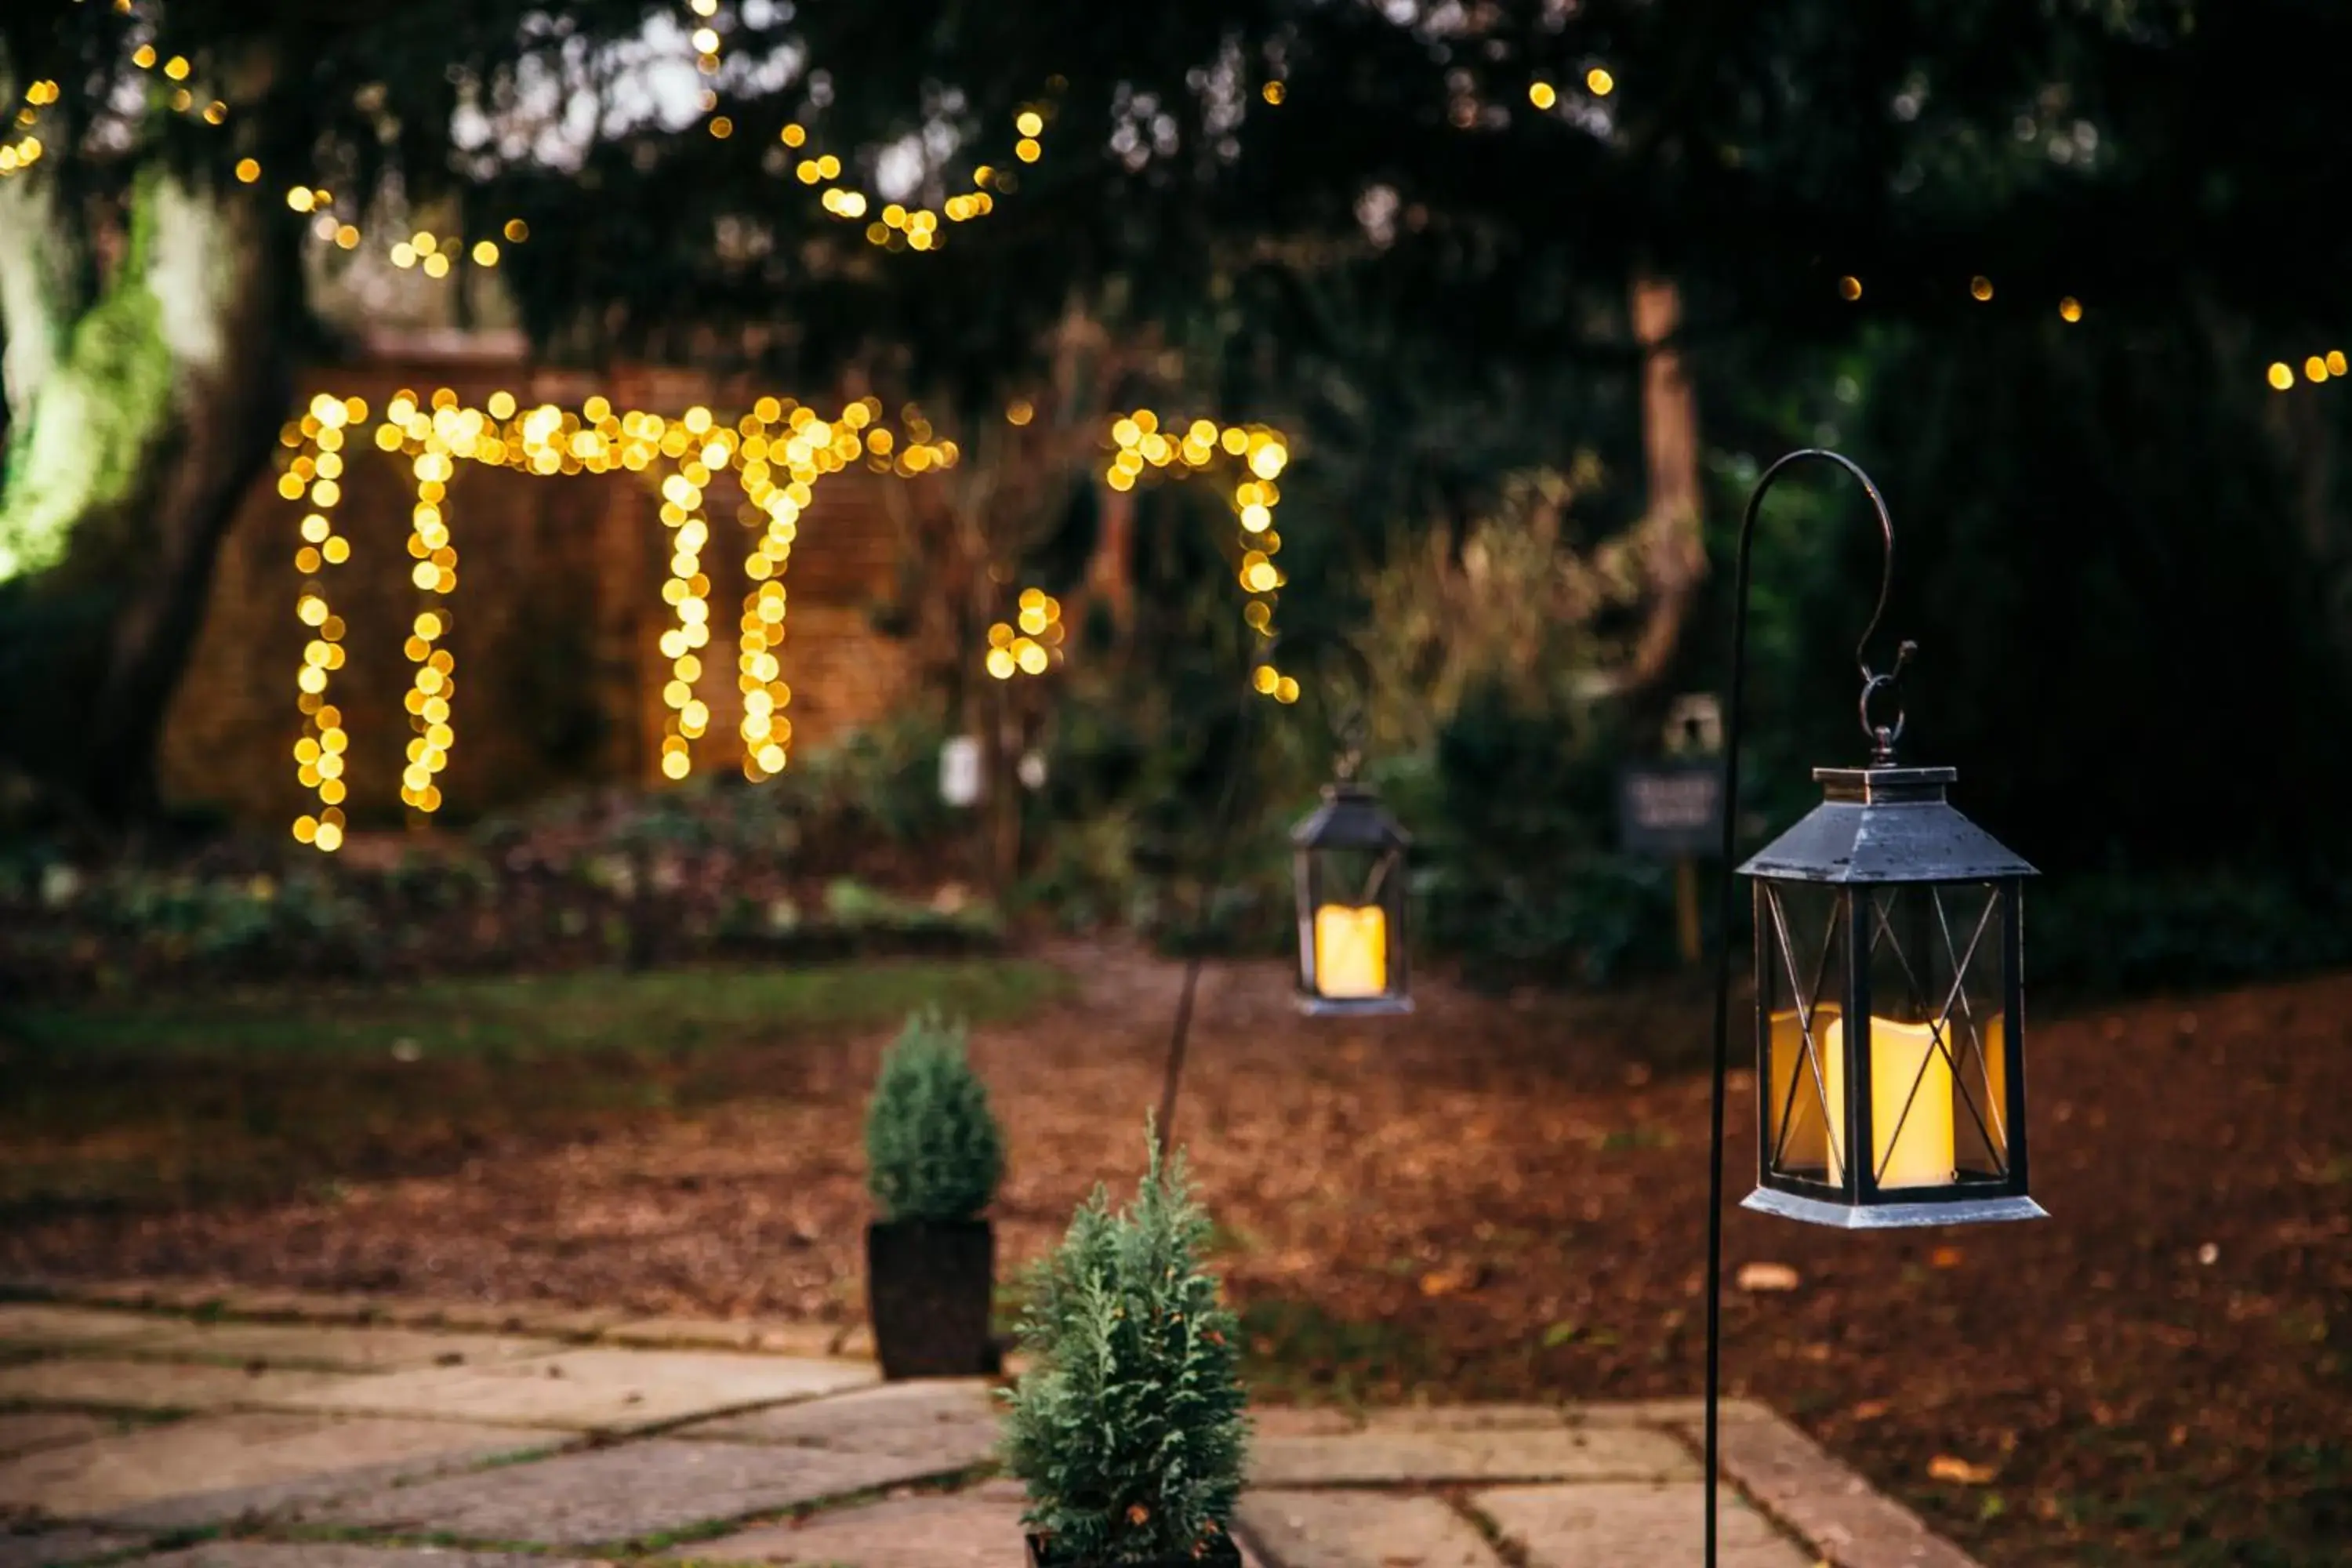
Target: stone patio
x=283, y=1432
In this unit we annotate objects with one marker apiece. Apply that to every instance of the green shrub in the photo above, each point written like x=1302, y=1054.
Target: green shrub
x=933, y=1149
x=1129, y=1429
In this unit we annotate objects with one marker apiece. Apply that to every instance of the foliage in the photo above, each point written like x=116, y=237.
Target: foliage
x=596, y=1014
x=933, y=1149
x=1128, y=1431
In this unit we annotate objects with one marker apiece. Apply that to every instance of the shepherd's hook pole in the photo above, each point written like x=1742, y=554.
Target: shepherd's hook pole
x=1724, y=914
x=1219, y=831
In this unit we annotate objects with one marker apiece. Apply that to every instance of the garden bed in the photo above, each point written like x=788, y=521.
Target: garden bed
x=1497, y=1198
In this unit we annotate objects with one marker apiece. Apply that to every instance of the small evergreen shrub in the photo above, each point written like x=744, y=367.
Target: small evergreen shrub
x=933, y=1149
x=1129, y=1429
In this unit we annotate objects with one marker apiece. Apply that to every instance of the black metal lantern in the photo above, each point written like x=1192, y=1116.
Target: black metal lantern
x=1347, y=859
x=1889, y=1033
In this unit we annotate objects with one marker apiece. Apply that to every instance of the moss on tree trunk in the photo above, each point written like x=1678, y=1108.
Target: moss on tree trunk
x=141, y=412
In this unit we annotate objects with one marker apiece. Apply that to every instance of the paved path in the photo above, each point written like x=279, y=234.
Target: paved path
x=264, y=1437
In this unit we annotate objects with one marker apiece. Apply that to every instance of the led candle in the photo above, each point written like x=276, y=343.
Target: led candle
x=1351, y=951
x=1910, y=1147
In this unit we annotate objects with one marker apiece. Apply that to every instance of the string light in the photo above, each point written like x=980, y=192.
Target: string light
x=1849, y=288
x=1033, y=644
x=2070, y=309
x=1141, y=445
x=779, y=450
x=2318, y=369
x=1542, y=94
x=897, y=227
x=1980, y=287
x=314, y=476
x=1600, y=82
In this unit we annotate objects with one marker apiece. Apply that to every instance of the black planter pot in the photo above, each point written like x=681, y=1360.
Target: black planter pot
x=1220, y=1553
x=928, y=1289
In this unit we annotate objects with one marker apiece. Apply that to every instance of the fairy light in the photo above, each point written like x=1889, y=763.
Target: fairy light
x=894, y=227
x=2318, y=369
x=1142, y=446
x=1542, y=94
x=1032, y=642
x=779, y=449
x=314, y=476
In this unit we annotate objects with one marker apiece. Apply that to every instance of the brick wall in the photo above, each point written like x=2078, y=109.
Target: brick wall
x=557, y=615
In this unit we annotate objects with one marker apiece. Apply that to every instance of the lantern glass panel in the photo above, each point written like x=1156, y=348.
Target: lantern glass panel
x=1803, y=981
x=1935, y=1032
x=1348, y=896
x=1967, y=958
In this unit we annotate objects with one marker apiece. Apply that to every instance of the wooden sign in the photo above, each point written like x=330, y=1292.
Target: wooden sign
x=1672, y=811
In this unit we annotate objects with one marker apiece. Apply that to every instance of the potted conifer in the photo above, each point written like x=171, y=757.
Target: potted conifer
x=1128, y=1428
x=934, y=1155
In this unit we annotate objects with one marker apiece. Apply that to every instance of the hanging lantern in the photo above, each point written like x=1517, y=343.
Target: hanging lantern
x=1890, y=1025
x=1348, y=869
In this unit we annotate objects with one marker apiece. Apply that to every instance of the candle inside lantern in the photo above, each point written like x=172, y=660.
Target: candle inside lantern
x=1910, y=1134
x=1351, y=951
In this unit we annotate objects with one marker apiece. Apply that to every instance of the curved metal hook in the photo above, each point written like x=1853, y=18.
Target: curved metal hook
x=1883, y=737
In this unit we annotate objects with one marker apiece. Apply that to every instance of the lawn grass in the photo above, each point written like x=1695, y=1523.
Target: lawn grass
x=590, y=1012
x=271, y=1091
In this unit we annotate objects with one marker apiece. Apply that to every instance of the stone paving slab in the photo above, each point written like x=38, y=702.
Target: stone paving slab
x=335, y=1555
x=1382, y=1457
x=1613, y=1524
x=977, y=1528
x=41, y=1548
x=23, y=1431
x=1360, y=1529
x=775, y=1338
x=953, y=1421
x=356, y=1349
x=218, y=1468
x=151, y=1384
x=1854, y=1526
x=74, y=1328
x=623, y=1492
x=1324, y=1421
x=591, y=1389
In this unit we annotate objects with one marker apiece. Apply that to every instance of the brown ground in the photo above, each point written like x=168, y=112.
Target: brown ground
x=1503, y=1199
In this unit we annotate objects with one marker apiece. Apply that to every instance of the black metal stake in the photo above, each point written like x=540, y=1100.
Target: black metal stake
x=1219, y=831
x=1724, y=912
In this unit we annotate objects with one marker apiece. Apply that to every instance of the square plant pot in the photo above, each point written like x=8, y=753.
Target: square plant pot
x=1222, y=1552
x=929, y=1289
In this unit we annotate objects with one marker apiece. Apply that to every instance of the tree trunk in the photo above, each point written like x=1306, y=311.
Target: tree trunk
x=138, y=420
x=1674, y=555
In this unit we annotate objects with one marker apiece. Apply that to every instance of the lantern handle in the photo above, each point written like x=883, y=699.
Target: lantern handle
x=1882, y=739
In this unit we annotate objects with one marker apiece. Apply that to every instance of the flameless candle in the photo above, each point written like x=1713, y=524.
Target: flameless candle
x=1911, y=1134
x=1351, y=951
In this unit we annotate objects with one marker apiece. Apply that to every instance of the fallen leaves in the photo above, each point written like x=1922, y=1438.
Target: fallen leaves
x=1766, y=1276
x=1959, y=1472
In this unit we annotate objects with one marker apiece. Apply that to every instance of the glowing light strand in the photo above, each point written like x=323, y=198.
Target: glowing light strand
x=1141, y=445
x=780, y=450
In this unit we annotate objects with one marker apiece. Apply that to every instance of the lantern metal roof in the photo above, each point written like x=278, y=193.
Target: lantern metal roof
x=1349, y=817
x=1880, y=824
